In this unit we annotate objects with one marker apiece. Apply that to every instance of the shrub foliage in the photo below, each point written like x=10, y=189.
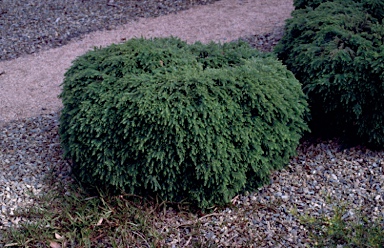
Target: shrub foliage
x=182, y=122
x=336, y=50
x=372, y=7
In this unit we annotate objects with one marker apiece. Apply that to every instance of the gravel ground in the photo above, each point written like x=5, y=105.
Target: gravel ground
x=315, y=181
x=29, y=26
x=323, y=170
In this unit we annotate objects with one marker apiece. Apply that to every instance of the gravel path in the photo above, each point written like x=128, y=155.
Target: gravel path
x=30, y=26
x=30, y=150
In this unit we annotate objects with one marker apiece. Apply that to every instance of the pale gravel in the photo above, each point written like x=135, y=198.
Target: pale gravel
x=323, y=170
x=321, y=177
x=29, y=85
x=29, y=26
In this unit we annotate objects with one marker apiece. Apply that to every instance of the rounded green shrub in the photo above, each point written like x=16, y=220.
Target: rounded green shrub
x=182, y=122
x=337, y=52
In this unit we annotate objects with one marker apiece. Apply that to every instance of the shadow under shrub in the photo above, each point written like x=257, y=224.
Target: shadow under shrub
x=336, y=51
x=195, y=122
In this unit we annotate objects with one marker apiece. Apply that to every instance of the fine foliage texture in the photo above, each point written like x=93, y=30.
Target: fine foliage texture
x=195, y=122
x=372, y=7
x=336, y=51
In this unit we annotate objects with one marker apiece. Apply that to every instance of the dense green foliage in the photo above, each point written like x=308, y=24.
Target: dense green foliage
x=164, y=118
x=336, y=51
x=372, y=7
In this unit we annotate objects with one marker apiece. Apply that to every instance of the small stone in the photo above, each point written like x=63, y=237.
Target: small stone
x=285, y=197
x=28, y=146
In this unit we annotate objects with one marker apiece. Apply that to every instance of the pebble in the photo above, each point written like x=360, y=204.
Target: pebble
x=269, y=216
x=32, y=26
x=24, y=160
x=313, y=183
